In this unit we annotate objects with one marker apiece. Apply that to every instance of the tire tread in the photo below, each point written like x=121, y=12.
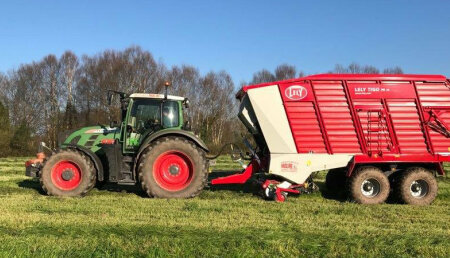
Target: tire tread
x=150, y=192
x=90, y=164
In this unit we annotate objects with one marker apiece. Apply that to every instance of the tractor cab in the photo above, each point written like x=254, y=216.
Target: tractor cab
x=147, y=114
x=144, y=114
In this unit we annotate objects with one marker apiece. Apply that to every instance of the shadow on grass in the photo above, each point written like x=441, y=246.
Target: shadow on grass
x=340, y=196
x=34, y=184
x=113, y=187
x=110, y=187
x=248, y=187
x=31, y=184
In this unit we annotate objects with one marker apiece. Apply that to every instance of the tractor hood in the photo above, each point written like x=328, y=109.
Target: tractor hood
x=88, y=137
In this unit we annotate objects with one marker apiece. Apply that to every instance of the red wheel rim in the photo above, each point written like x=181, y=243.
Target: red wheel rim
x=173, y=170
x=66, y=175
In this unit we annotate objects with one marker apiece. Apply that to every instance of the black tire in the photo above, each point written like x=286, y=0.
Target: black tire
x=156, y=175
x=336, y=179
x=416, y=186
x=369, y=185
x=100, y=184
x=68, y=173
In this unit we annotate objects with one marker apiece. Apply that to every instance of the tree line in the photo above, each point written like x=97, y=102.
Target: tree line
x=38, y=100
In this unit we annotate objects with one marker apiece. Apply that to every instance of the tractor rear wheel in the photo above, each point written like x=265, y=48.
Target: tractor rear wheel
x=369, y=185
x=68, y=173
x=173, y=167
x=416, y=186
x=335, y=180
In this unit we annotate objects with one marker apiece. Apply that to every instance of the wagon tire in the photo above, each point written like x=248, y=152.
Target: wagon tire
x=173, y=167
x=369, y=185
x=416, y=186
x=68, y=173
x=335, y=180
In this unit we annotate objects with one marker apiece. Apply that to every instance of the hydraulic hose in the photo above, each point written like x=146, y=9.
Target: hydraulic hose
x=220, y=152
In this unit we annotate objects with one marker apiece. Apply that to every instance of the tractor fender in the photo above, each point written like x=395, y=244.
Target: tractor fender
x=173, y=132
x=97, y=162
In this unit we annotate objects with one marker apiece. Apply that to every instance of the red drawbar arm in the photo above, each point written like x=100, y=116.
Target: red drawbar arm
x=236, y=178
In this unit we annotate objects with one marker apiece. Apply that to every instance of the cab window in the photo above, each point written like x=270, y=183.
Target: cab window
x=145, y=114
x=170, y=114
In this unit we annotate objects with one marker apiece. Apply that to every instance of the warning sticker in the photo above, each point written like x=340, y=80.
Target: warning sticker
x=289, y=166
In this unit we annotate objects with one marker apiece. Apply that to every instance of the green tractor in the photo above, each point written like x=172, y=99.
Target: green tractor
x=153, y=145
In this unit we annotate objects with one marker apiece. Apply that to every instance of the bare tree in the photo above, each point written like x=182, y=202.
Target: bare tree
x=338, y=68
x=4, y=88
x=354, y=68
x=370, y=69
x=263, y=76
x=27, y=98
x=217, y=101
x=393, y=70
x=285, y=71
x=68, y=68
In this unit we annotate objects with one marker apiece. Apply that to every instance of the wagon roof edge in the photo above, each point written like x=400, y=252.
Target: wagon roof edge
x=330, y=76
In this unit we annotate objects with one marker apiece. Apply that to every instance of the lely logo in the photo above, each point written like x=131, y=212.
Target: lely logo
x=296, y=92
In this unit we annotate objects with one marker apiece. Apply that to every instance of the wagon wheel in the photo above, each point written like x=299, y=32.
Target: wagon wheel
x=416, y=186
x=369, y=185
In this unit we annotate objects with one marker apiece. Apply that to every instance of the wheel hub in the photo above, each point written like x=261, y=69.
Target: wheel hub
x=67, y=174
x=370, y=187
x=174, y=170
x=419, y=188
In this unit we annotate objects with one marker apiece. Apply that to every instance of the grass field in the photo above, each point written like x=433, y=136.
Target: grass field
x=220, y=222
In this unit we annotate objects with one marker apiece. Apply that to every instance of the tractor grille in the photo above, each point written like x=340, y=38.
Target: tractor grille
x=91, y=140
x=75, y=140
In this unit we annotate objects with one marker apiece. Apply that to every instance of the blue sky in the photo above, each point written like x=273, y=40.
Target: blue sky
x=240, y=37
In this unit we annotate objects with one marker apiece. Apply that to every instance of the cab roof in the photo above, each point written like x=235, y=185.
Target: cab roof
x=155, y=96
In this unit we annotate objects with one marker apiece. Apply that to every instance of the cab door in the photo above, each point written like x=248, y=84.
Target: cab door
x=143, y=118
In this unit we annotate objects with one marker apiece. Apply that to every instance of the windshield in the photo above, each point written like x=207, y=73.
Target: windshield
x=145, y=112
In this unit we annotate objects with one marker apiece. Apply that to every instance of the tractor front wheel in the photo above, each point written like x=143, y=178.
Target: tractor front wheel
x=173, y=167
x=68, y=173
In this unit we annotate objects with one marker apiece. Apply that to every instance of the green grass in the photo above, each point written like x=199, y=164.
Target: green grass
x=121, y=222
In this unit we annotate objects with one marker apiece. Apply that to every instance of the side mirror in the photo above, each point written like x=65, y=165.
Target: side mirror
x=114, y=124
